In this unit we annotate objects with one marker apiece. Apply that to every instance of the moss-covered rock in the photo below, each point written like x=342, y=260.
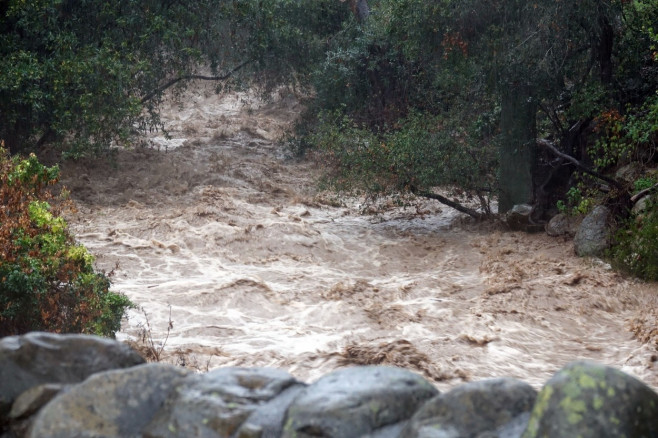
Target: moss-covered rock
x=588, y=400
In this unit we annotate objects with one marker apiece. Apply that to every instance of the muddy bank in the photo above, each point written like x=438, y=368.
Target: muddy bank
x=221, y=229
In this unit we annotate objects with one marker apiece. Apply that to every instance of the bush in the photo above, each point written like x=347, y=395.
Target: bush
x=47, y=280
x=636, y=250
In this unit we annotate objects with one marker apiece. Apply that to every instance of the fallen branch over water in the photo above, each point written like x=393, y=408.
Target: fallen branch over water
x=456, y=205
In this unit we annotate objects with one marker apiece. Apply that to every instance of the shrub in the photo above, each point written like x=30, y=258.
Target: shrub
x=47, y=280
x=636, y=249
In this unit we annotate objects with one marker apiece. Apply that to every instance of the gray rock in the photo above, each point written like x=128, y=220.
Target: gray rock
x=642, y=204
x=29, y=403
x=489, y=408
x=34, y=399
x=392, y=431
x=562, y=225
x=518, y=218
x=227, y=402
x=37, y=358
x=268, y=418
x=588, y=400
x=594, y=234
x=354, y=402
x=629, y=172
x=112, y=404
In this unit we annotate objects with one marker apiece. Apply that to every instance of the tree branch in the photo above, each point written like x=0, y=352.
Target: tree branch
x=551, y=147
x=457, y=206
x=640, y=194
x=174, y=81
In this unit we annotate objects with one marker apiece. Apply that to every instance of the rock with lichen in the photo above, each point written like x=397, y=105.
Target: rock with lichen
x=589, y=400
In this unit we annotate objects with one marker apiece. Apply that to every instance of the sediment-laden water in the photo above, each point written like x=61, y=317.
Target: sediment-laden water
x=220, y=232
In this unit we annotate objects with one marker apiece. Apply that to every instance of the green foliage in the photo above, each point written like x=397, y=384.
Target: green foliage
x=401, y=106
x=47, y=281
x=287, y=39
x=87, y=74
x=577, y=202
x=625, y=138
x=421, y=153
x=636, y=248
x=645, y=183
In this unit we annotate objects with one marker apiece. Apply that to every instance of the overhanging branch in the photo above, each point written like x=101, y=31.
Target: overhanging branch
x=174, y=81
x=551, y=147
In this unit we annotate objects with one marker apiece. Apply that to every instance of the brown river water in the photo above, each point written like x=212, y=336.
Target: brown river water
x=217, y=230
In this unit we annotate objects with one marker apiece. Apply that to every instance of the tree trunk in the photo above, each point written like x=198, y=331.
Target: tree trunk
x=518, y=149
x=362, y=10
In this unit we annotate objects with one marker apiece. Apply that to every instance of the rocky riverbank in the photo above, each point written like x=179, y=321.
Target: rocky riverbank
x=83, y=386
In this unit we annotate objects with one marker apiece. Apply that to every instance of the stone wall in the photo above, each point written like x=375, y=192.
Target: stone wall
x=84, y=386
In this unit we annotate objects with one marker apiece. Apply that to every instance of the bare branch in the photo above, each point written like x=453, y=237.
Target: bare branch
x=174, y=81
x=551, y=147
x=642, y=193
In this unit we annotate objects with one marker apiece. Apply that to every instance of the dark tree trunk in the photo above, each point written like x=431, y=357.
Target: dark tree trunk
x=605, y=50
x=518, y=149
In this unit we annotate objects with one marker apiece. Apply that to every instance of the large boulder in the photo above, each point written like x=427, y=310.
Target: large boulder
x=593, y=235
x=39, y=358
x=495, y=408
x=589, y=400
x=354, y=402
x=112, y=404
x=227, y=402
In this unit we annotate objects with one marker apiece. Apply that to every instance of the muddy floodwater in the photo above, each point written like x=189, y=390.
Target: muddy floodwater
x=219, y=231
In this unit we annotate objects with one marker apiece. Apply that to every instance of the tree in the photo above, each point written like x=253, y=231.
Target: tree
x=540, y=70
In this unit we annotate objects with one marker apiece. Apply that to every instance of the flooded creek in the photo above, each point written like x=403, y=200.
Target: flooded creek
x=217, y=229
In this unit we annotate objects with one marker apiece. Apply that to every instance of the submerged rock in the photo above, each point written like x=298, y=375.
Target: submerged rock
x=496, y=408
x=354, y=402
x=589, y=400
